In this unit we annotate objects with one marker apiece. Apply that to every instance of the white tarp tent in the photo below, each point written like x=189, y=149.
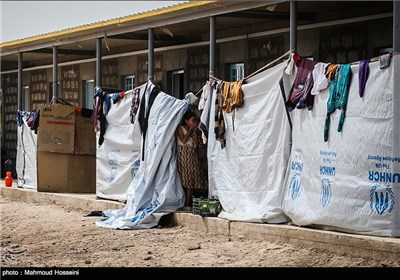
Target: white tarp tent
x=352, y=182
x=117, y=159
x=156, y=186
x=248, y=174
x=26, y=166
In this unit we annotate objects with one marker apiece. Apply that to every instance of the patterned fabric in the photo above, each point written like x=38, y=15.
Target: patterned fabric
x=135, y=104
x=219, y=129
x=190, y=169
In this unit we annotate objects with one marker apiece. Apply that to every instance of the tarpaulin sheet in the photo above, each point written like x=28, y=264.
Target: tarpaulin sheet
x=26, y=165
x=351, y=182
x=117, y=159
x=248, y=174
x=156, y=186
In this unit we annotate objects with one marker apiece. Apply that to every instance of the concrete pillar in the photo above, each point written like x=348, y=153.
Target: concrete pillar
x=396, y=25
x=293, y=26
x=212, y=44
x=55, y=73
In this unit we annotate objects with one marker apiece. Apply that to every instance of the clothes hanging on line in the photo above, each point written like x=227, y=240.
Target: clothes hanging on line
x=363, y=72
x=300, y=93
x=338, y=96
x=320, y=81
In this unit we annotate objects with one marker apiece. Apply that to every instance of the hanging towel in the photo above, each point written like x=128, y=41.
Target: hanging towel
x=232, y=95
x=363, y=72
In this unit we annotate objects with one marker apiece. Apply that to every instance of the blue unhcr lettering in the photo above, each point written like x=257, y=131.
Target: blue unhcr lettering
x=112, y=157
x=376, y=176
x=148, y=210
x=325, y=192
x=327, y=170
x=295, y=186
x=135, y=167
x=381, y=199
x=297, y=166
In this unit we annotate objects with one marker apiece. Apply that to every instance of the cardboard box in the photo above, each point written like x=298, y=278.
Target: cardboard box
x=66, y=173
x=63, y=130
x=85, y=140
x=56, y=129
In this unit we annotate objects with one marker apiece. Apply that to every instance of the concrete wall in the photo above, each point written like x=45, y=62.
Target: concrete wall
x=88, y=71
x=379, y=35
x=307, y=43
x=232, y=52
x=127, y=65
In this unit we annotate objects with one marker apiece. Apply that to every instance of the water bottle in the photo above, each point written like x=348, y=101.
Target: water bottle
x=8, y=179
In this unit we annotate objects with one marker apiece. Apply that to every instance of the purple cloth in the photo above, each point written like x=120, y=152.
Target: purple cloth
x=363, y=72
x=300, y=93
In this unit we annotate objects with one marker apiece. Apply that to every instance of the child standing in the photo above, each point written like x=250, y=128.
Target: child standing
x=188, y=162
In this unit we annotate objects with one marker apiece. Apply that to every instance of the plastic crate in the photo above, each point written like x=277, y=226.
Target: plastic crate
x=206, y=207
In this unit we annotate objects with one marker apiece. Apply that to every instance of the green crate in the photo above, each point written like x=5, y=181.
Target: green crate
x=206, y=207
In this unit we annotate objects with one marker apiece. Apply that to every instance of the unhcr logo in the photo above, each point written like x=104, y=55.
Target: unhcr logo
x=295, y=186
x=325, y=192
x=381, y=199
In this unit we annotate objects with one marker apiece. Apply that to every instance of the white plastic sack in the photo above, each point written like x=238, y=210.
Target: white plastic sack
x=26, y=166
x=350, y=183
x=248, y=174
x=117, y=159
x=156, y=187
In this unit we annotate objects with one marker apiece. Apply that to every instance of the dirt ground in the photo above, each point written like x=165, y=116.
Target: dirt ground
x=35, y=235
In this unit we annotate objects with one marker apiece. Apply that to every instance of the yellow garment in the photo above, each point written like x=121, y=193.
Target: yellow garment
x=330, y=71
x=232, y=95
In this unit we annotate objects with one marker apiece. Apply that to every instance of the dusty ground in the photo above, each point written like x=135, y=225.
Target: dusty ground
x=47, y=235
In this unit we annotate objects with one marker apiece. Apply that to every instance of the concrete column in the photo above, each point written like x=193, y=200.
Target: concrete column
x=396, y=25
x=213, y=42
x=293, y=26
x=98, y=62
x=55, y=73
x=20, y=80
x=150, y=57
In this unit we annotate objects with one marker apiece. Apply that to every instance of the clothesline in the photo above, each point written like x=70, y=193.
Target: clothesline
x=259, y=70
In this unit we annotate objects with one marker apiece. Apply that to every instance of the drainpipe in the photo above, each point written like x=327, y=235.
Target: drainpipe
x=98, y=62
x=55, y=73
x=20, y=80
x=212, y=45
x=293, y=26
x=396, y=26
x=150, y=57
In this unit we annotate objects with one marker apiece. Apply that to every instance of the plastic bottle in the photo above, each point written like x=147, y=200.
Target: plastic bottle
x=8, y=179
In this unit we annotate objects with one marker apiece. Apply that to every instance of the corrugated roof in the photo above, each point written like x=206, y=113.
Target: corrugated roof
x=108, y=22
